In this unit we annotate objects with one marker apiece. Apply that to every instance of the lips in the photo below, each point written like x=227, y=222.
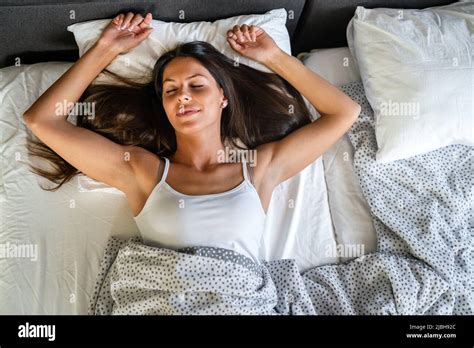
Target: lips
x=188, y=111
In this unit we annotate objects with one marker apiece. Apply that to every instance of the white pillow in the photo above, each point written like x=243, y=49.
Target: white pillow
x=416, y=67
x=139, y=62
x=336, y=65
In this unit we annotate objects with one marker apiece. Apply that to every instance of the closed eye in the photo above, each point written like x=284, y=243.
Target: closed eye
x=172, y=90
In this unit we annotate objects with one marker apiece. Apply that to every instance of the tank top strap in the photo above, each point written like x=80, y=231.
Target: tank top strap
x=244, y=169
x=165, y=171
x=248, y=172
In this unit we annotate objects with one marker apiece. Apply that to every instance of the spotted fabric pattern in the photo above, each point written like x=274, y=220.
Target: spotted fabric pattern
x=137, y=279
x=422, y=206
x=140, y=279
x=223, y=254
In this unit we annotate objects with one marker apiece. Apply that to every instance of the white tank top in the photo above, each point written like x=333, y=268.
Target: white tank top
x=233, y=219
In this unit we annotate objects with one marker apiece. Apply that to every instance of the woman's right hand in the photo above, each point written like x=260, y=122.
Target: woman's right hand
x=125, y=32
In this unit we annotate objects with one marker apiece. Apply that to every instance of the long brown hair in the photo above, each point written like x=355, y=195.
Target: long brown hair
x=262, y=107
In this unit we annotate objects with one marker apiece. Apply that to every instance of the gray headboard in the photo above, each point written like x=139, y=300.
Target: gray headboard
x=324, y=22
x=35, y=31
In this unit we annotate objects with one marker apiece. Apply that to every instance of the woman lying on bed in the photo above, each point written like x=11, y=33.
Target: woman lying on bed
x=163, y=143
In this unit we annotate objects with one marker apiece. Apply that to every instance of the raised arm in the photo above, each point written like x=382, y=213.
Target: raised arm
x=284, y=158
x=89, y=152
x=302, y=147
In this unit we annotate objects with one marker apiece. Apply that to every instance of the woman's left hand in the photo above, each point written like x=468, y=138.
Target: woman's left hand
x=253, y=42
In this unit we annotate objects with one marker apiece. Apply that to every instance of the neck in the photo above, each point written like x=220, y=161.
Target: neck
x=198, y=150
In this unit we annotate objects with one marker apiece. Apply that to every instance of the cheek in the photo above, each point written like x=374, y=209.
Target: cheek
x=212, y=101
x=170, y=109
x=170, y=104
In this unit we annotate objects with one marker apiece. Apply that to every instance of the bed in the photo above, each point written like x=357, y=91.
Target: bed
x=311, y=217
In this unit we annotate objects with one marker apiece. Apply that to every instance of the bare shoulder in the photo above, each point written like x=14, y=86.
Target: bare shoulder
x=139, y=155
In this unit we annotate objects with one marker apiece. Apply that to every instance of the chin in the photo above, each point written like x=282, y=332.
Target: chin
x=189, y=127
x=192, y=126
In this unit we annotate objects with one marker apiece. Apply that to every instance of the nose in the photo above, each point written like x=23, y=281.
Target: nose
x=183, y=98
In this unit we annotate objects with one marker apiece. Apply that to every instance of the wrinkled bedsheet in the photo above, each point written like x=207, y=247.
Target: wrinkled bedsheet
x=143, y=280
x=423, y=206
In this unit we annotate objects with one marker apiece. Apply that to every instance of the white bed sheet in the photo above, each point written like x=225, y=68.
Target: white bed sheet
x=70, y=227
x=350, y=212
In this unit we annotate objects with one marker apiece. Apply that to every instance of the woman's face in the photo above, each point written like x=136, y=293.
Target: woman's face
x=188, y=86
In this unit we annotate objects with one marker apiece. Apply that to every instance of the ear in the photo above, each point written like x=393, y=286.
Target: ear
x=224, y=99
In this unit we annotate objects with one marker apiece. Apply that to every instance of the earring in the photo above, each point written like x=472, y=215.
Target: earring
x=224, y=104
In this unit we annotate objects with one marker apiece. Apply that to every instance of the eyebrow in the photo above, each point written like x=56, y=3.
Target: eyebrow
x=189, y=77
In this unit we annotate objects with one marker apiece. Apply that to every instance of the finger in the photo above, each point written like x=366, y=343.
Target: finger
x=115, y=22
x=119, y=19
x=258, y=31
x=238, y=32
x=127, y=20
x=146, y=22
x=243, y=37
x=245, y=31
x=144, y=34
x=253, y=30
x=231, y=34
x=233, y=43
x=137, y=19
